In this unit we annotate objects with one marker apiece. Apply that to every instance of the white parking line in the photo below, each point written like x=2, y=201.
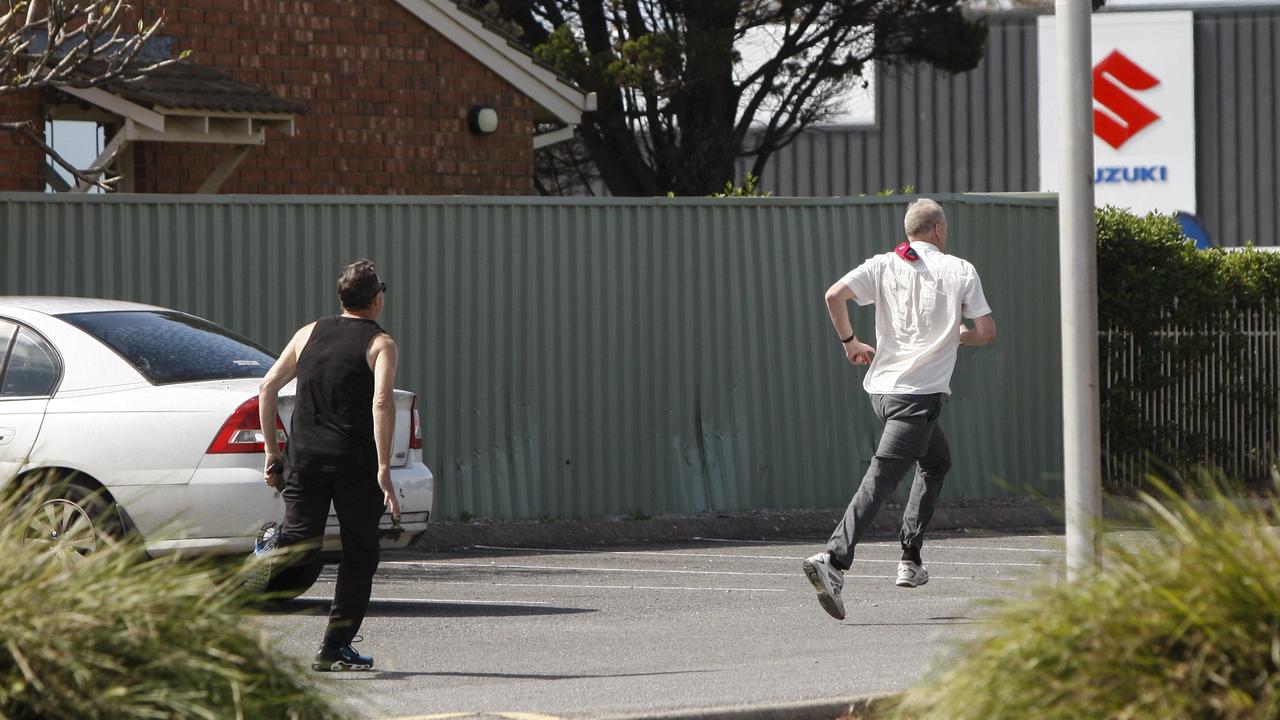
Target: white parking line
x=888, y=544
x=495, y=566
x=753, y=542
x=988, y=547
x=725, y=556
x=611, y=587
x=447, y=601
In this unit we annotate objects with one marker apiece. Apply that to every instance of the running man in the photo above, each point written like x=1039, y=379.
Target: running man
x=921, y=293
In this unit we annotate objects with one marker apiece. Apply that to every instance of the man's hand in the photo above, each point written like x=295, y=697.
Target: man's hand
x=389, y=498
x=858, y=352
x=273, y=479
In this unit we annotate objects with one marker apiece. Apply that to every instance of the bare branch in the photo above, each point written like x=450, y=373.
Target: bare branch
x=84, y=46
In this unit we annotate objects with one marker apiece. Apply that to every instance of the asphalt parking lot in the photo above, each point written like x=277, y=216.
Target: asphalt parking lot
x=592, y=632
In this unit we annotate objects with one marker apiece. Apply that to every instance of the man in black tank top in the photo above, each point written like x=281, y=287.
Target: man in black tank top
x=339, y=447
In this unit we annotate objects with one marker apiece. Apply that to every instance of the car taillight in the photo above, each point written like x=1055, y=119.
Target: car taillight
x=242, y=432
x=415, y=427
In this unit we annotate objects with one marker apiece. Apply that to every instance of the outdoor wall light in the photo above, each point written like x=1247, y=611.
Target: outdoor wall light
x=482, y=119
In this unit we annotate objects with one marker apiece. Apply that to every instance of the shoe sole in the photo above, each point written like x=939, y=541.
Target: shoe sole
x=827, y=602
x=339, y=666
x=912, y=584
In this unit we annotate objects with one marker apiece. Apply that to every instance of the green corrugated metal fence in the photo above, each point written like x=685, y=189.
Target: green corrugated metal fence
x=588, y=357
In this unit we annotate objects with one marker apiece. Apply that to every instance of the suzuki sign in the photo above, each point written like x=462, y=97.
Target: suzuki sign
x=1143, y=110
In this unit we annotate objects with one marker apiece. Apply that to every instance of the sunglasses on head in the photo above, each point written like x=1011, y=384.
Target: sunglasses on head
x=382, y=288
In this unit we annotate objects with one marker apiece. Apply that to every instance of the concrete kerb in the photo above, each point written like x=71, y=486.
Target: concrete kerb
x=1007, y=514
x=857, y=706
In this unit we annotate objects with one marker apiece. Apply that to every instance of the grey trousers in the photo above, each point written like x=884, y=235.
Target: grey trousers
x=911, y=435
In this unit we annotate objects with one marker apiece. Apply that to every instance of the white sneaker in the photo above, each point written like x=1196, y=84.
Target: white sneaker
x=827, y=580
x=911, y=575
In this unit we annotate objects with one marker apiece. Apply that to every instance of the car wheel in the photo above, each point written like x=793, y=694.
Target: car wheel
x=293, y=581
x=72, y=521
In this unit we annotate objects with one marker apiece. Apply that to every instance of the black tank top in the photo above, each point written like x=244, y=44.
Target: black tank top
x=332, y=424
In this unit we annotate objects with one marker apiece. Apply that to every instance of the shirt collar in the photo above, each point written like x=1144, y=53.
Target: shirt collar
x=926, y=245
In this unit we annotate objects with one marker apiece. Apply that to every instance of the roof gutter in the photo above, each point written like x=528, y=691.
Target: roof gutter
x=563, y=100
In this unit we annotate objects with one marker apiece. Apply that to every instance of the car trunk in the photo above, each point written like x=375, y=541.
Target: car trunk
x=400, y=440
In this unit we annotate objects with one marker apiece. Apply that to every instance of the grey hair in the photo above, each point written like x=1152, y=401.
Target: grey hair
x=922, y=215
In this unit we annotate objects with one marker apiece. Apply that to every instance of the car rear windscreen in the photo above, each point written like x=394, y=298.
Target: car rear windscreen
x=170, y=347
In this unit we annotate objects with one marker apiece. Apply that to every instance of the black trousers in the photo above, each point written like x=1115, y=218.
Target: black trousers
x=358, y=502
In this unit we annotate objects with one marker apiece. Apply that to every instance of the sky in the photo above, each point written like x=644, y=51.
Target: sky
x=857, y=107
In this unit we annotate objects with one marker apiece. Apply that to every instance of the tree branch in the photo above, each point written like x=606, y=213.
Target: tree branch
x=83, y=46
x=672, y=115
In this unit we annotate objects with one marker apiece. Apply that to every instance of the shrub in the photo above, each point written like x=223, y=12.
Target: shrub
x=1184, y=625
x=117, y=635
x=749, y=187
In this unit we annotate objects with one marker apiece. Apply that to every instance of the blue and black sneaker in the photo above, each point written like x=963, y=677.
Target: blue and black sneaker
x=257, y=574
x=345, y=657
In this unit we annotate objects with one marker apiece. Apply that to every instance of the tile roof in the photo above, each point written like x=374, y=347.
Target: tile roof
x=189, y=86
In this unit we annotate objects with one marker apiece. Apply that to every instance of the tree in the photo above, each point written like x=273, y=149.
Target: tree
x=69, y=43
x=678, y=107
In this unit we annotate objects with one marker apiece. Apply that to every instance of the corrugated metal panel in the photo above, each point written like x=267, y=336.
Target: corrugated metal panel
x=978, y=131
x=1237, y=157
x=938, y=132
x=594, y=357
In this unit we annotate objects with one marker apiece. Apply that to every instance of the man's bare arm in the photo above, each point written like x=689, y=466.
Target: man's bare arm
x=281, y=373
x=386, y=358
x=982, y=332
x=838, y=297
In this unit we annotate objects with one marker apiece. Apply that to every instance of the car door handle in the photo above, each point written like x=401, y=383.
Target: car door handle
x=6, y=435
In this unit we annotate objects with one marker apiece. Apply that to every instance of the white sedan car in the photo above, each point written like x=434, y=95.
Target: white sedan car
x=148, y=420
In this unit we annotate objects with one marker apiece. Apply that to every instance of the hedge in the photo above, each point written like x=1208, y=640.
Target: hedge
x=1152, y=279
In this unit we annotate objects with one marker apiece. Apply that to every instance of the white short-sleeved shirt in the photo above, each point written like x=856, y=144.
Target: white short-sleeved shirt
x=918, y=309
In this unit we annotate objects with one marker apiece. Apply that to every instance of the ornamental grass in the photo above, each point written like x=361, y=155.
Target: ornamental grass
x=116, y=634
x=1182, y=622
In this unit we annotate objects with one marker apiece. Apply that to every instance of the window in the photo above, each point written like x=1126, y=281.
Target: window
x=170, y=347
x=79, y=142
x=6, y=334
x=31, y=370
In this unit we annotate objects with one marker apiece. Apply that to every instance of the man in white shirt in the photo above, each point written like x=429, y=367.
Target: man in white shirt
x=921, y=294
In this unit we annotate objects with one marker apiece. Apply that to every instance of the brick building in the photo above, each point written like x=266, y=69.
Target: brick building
x=319, y=97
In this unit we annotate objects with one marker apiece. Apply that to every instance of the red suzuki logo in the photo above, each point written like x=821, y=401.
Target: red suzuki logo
x=1111, y=77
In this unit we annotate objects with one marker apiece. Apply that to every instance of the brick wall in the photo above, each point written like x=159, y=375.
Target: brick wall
x=21, y=162
x=388, y=96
